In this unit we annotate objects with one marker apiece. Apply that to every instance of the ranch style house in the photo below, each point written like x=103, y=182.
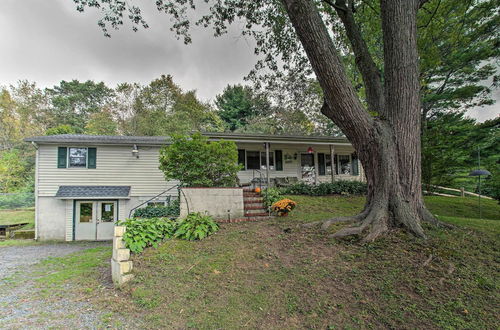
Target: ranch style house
x=85, y=183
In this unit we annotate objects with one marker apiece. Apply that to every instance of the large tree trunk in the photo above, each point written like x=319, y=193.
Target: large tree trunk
x=388, y=145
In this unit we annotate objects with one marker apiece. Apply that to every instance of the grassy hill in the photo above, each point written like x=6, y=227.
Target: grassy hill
x=277, y=274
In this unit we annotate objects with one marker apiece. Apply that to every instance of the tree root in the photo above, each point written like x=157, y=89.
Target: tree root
x=428, y=217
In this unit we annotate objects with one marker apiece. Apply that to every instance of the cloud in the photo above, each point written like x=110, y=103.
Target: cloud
x=48, y=41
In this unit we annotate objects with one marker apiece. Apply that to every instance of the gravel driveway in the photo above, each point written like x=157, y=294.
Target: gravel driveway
x=26, y=305
x=15, y=258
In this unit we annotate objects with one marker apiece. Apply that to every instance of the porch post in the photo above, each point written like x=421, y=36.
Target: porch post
x=267, y=166
x=332, y=159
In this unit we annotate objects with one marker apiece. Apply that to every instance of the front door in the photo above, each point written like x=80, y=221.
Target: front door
x=95, y=220
x=307, y=168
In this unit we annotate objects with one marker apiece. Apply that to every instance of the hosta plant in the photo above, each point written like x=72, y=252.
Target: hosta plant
x=195, y=226
x=145, y=232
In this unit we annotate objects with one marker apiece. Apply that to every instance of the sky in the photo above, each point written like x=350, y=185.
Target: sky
x=47, y=41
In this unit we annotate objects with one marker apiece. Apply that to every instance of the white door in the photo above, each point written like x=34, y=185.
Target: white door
x=95, y=220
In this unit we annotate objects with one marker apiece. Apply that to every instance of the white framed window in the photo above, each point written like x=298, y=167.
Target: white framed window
x=77, y=157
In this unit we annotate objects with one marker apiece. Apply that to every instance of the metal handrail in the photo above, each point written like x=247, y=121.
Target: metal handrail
x=153, y=198
x=260, y=177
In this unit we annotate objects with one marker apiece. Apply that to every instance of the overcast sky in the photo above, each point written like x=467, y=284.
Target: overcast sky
x=47, y=41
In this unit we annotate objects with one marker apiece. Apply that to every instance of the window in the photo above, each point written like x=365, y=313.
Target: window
x=324, y=164
x=107, y=212
x=86, y=212
x=263, y=160
x=241, y=158
x=344, y=164
x=77, y=157
x=253, y=160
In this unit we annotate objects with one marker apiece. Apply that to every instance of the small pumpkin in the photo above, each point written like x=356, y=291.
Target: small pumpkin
x=257, y=190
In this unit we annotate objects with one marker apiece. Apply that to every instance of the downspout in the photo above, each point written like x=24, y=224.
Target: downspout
x=36, y=187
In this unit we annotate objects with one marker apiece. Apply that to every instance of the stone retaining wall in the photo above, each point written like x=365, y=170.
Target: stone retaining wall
x=220, y=203
x=121, y=266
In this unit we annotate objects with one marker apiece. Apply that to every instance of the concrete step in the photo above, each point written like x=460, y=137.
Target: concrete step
x=255, y=211
x=251, y=194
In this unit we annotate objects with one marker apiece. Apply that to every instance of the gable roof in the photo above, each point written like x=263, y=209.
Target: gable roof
x=162, y=140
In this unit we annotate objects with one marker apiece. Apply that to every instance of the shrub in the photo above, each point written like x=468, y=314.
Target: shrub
x=271, y=196
x=171, y=210
x=17, y=200
x=282, y=207
x=143, y=232
x=197, y=162
x=337, y=187
x=195, y=226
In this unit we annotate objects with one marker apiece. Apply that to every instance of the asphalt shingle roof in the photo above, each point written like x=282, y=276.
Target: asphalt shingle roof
x=92, y=191
x=162, y=140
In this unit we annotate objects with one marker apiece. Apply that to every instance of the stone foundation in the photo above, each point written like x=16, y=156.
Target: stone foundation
x=121, y=266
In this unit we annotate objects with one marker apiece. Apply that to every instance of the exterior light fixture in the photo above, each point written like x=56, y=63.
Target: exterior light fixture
x=478, y=173
x=310, y=150
x=135, y=152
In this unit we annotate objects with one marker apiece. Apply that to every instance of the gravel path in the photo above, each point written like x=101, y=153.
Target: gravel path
x=26, y=305
x=15, y=258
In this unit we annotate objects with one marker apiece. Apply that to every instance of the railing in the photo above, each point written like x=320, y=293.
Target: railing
x=260, y=177
x=151, y=199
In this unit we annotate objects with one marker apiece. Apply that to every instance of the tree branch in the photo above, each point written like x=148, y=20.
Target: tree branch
x=364, y=61
x=342, y=103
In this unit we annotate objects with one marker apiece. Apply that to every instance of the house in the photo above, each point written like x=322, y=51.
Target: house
x=85, y=183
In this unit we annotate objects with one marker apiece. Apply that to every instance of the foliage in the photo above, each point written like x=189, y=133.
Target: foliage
x=60, y=129
x=13, y=171
x=73, y=102
x=101, y=123
x=271, y=196
x=344, y=187
x=144, y=232
x=283, y=206
x=158, y=211
x=195, y=226
x=17, y=200
x=196, y=162
x=163, y=108
x=237, y=105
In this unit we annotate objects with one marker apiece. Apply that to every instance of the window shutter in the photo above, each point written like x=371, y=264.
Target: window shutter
x=355, y=167
x=279, y=160
x=91, y=157
x=336, y=165
x=241, y=157
x=321, y=164
x=62, y=156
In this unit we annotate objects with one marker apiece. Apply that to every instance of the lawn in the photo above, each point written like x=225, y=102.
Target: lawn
x=15, y=216
x=276, y=274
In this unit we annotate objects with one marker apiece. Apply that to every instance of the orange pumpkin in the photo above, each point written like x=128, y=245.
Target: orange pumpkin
x=257, y=190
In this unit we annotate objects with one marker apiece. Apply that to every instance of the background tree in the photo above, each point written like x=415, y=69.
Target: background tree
x=238, y=105
x=73, y=102
x=101, y=123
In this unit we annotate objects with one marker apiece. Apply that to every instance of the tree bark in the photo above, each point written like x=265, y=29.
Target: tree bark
x=388, y=146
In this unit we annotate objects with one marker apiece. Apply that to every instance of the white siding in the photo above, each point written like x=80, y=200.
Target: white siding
x=115, y=166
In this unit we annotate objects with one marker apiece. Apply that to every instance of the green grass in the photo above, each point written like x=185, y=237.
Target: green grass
x=12, y=217
x=467, y=207
x=278, y=275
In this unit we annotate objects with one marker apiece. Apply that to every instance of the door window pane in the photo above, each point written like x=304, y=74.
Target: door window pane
x=253, y=160
x=263, y=160
x=307, y=160
x=108, y=212
x=345, y=164
x=86, y=212
x=77, y=157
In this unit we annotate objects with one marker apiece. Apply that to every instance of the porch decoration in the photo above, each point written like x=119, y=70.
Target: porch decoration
x=310, y=150
x=283, y=207
x=257, y=190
